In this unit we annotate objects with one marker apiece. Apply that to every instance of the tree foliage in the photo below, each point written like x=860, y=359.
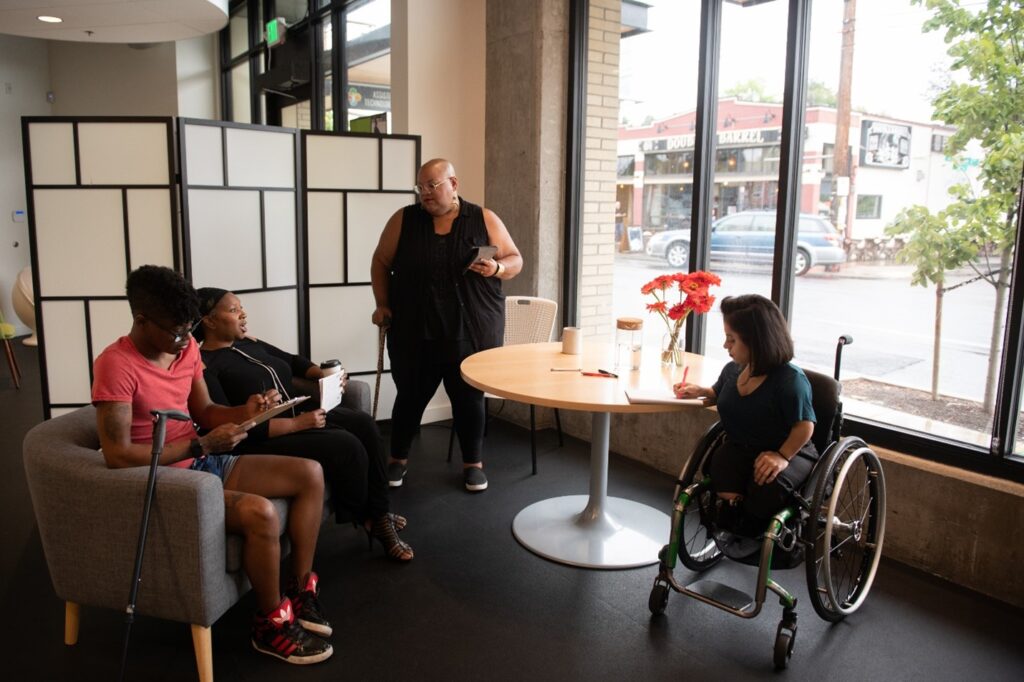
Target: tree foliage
x=750, y=91
x=820, y=94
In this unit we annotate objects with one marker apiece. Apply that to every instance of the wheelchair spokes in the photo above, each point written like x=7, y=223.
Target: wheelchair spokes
x=847, y=530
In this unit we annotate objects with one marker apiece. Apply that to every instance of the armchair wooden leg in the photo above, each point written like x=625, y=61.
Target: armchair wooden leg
x=203, y=643
x=71, y=610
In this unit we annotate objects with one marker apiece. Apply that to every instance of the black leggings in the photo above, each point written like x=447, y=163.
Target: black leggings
x=732, y=471
x=416, y=379
x=356, y=477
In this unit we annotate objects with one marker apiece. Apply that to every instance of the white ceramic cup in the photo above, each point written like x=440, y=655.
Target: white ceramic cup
x=572, y=341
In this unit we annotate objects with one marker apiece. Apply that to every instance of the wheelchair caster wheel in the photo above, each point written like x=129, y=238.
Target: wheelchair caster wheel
x=784, y=639
x=658, y=599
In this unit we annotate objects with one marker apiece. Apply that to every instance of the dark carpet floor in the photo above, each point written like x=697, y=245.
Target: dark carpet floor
x=475, y=605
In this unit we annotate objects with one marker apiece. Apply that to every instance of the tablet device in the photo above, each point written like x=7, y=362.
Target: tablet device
x=272, y=412
x=480, y=253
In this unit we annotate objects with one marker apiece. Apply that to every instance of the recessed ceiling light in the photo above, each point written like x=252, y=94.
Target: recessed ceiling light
x=49, y=20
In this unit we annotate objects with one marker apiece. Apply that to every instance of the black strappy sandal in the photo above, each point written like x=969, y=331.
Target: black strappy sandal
x=384, y=531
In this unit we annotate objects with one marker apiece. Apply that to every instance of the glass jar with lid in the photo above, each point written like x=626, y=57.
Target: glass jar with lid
x=629, y=334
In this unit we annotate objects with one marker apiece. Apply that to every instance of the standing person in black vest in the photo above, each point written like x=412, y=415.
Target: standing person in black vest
x=438, y=311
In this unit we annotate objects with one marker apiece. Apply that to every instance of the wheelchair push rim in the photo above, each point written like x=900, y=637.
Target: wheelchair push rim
x=697, y=549
x=846, y=530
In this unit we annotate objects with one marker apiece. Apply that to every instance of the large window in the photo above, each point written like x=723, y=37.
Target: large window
x=294, y=82
x=904, y=205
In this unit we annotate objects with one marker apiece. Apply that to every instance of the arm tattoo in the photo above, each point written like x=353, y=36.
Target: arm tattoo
x=115, y=422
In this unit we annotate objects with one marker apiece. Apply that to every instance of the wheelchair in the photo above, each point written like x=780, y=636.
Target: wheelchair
x=835, y=524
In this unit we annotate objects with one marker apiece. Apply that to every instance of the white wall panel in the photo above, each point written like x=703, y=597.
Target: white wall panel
x=53, y=153
x=260, y=158
x=204, y=158
x=367, y=215
x=108, y=321
x=399, y=164
x=67, y=358
x=273, y=317
x=279, y=222
x=80, y=241
x=340, y=327
x=224, y=229
x=326, y=228
x=149, y=227
x=336, y=162
x=123, y=153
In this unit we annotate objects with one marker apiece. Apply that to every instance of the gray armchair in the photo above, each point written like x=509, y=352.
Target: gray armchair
x=89, y=518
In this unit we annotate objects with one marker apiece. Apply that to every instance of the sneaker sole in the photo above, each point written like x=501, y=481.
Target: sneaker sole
x=476, y=488
x=396, y=484
x=318, y=629
x=295, y=660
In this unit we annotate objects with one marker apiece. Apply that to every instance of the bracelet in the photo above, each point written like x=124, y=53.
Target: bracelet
x=501, y=269
x=779, y=453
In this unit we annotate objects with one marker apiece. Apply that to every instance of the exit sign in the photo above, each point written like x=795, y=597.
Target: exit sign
x=276, y=30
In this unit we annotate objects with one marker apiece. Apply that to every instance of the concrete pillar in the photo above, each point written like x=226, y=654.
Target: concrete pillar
x=527, y=72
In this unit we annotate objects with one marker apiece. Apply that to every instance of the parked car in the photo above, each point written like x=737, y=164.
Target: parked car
x=750, y=236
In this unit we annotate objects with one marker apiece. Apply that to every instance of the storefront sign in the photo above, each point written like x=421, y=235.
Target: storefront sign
x=376, y=97
x=884, y=145
x=750, y=136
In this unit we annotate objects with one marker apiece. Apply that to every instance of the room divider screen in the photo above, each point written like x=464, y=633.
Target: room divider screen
x=288, y=222
x=101, y=201
x=240, y=206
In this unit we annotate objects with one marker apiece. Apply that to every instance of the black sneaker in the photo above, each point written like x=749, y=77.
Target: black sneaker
x=396, y=474
x=308, y=611
x=475, y=479
x=280, y=636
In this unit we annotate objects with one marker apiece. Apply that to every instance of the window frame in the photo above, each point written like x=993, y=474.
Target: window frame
x=998, y=460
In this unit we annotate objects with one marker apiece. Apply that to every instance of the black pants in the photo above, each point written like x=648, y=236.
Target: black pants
x=356, y=477
x=417, y=379
x=732, y=471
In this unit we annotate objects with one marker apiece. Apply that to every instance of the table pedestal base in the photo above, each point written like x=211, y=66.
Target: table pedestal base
x=619, y=534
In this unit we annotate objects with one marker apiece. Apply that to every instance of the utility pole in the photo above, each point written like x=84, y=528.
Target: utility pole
x=842, y=187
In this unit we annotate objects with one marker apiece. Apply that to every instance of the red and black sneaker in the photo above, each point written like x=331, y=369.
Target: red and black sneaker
x=277, y=634
x=308, y=611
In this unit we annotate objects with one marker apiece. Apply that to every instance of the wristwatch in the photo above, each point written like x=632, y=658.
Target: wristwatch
x=195, y=449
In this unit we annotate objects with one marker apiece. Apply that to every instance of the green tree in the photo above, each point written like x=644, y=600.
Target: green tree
x=986, y=46
x=820, y=94
x=750, y=91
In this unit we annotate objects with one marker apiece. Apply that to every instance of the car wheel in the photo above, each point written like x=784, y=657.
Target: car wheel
x=802, y=262
x=678, y=254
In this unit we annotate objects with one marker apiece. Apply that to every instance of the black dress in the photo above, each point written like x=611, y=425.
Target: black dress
x=349, y=448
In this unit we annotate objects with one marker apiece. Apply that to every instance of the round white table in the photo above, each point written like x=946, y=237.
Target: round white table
x=595, y=531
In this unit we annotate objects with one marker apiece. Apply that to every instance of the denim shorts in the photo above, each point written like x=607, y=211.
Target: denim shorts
x=219, y=465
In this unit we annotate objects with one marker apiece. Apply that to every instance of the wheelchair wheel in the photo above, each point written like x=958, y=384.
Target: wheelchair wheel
x=845, y=529
x=784, y=639
x=658, y=599
x=697, y=548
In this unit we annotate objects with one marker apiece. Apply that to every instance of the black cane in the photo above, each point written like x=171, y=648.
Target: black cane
x=160, y=418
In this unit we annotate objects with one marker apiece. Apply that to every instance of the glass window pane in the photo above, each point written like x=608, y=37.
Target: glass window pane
x=238, y=31
x=746, y=180
x=327, y=38
x=368, y=60
x=657, y=82
x=925, y=357
x=241, y=107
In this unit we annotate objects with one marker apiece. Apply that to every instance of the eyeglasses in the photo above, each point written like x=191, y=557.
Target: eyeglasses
x=430, y=187
x=179, y=336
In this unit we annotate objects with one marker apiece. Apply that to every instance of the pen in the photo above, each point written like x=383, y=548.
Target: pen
x=686, y=370
x=605, y=375
x=608, y=374
x=572, y=369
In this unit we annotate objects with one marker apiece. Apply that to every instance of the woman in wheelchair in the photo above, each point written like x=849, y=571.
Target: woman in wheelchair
x=764, y=404
x=345, y=441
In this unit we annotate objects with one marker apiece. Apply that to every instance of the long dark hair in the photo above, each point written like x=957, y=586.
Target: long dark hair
x=760, y=325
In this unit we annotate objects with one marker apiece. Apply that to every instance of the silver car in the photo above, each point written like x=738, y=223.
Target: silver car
x=750, y=236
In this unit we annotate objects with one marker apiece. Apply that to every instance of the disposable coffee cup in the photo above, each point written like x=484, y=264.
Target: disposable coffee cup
x=572, y=341
x=330, y=367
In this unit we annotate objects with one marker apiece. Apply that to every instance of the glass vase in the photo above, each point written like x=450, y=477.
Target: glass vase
x=672, y=353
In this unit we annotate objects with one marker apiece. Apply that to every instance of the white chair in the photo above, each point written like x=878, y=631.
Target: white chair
x=528, y=319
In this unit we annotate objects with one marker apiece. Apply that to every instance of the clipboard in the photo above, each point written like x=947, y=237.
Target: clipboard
x=272, y=412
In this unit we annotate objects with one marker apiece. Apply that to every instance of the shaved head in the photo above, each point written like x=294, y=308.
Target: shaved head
x=444, y=166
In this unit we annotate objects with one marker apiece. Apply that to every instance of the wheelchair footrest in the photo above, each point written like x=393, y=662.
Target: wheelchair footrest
x=723, y=594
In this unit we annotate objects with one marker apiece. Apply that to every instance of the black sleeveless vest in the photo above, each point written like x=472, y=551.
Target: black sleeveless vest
x=480, y=298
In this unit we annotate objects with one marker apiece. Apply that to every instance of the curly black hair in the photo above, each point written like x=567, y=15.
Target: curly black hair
x=156, y=291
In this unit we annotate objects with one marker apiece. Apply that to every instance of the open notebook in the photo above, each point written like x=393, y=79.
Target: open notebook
x=659, y=396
